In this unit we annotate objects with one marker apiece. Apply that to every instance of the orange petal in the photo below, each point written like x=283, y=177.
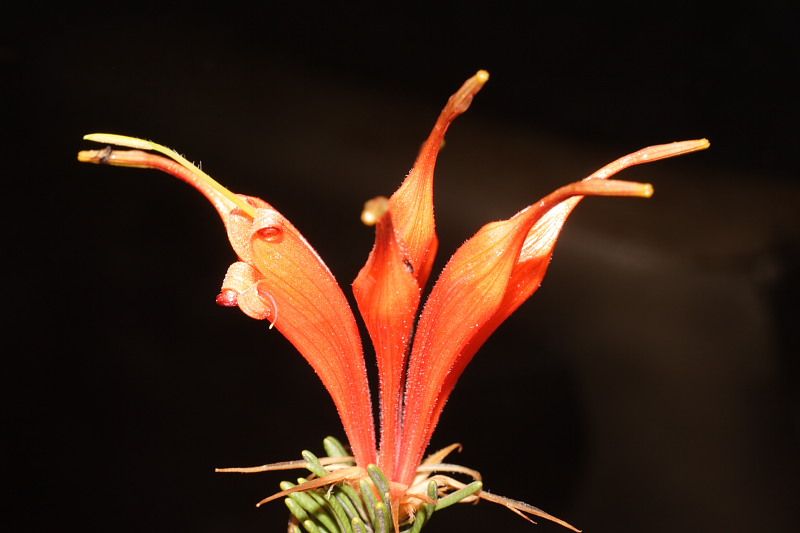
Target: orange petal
x=488, y=278
x=311, y=311
x=538, y=248
x=388, y=296
x=470, y=292
x=465, y=297
x=412, y=203
x=288, y=283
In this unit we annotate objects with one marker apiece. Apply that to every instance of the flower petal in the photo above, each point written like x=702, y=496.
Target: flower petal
x=485, y=281
x=537, y=251
x=464, y=298
x=412, y=203
x=295, y=288
x=311, y=311
x=388, y=295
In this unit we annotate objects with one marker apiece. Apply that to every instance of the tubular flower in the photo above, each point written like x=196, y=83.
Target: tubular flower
x=386, y=484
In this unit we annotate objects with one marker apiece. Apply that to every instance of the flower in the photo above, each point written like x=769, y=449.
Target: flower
x=279, y=277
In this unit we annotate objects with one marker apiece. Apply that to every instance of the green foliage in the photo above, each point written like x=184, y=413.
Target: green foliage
x=341, y=508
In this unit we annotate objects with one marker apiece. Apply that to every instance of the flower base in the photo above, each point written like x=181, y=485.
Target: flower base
x=340, y=497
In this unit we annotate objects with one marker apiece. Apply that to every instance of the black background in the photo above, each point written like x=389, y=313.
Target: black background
x=651, y=385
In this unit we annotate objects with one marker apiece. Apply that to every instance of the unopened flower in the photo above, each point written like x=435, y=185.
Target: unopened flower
x=386, y=483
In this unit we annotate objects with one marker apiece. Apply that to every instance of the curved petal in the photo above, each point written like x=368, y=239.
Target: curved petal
x=537, y=250
x=484, y=282
x=412, y=203
x=281, y=277
x=310, y=310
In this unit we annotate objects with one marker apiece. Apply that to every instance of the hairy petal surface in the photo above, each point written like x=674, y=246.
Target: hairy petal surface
x=278, y=276
x=466, y=296
x=311, y=311
x=388, y=295
x=441, y=353
x=537, y=251
x=477, y=285
x=412, y=203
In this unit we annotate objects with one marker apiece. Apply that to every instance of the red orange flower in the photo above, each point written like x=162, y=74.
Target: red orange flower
x=279, y=277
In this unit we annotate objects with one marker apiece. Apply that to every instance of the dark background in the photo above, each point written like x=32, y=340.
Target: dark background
x=651, y=385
